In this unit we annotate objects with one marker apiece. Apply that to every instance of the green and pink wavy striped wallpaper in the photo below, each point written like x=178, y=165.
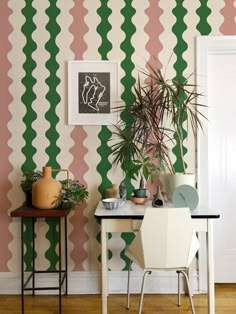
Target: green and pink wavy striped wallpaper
x=37, y=38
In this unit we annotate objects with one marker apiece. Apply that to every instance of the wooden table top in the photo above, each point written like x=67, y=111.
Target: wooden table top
x=29, y=211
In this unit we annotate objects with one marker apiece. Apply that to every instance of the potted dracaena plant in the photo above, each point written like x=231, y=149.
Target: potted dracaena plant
x=153, y=119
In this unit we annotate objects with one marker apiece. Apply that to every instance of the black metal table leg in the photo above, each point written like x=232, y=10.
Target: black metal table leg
x=60, y=285
x=66, y=258
x=22, y=266
x=33, y=255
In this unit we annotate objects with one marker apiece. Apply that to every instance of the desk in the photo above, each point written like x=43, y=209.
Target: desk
x=129, y=219
x=32, y=214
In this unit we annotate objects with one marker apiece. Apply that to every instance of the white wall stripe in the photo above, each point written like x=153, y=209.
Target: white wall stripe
x=116, y=244
x=215, y=19
x=65, y=142
x=17, y=109
x=42, y=244
x=167, y=38
x=140, y=20
x=64, y=40
x=116, y=19
x=41, y=104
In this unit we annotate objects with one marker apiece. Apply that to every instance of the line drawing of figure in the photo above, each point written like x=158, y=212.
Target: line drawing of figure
x=92, y=92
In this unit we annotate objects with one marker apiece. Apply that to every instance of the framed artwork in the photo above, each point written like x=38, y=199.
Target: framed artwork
x=92, y=92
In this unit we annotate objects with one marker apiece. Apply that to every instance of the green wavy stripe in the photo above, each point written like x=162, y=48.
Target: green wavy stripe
x=105, y=134
x=203, y=12
x=30, y=116
x=180, y=65
x=104, y=166
x=52, y=135
x=128, y=81
x=103, y=29
x=127, y=65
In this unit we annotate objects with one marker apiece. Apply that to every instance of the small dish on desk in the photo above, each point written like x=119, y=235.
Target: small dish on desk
x=113, y=203
x=139, y=200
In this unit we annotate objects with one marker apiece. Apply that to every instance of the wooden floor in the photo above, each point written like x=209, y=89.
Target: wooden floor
x=91, y=304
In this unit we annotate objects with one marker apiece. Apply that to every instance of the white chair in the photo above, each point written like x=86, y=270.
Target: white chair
x=166, y=241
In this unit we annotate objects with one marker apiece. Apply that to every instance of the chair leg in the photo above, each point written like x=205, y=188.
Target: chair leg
x=179, y=295
x=189, y=292
x=128, y=285
x=148, y=272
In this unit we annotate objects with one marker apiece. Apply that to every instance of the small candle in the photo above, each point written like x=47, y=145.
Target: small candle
x=112, y=192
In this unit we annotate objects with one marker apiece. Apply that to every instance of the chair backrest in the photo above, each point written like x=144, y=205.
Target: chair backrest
x=166, y=239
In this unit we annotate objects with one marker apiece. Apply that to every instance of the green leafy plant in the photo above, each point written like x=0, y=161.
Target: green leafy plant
x=144, y=168
x=152, y=119
x=26, y=184
x=73, y=193
x=29, y=178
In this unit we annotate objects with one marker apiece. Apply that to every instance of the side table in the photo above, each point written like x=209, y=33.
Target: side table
x=32, y=214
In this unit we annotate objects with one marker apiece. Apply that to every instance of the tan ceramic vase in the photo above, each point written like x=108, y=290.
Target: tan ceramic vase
x=46, y=190
x=112, y=192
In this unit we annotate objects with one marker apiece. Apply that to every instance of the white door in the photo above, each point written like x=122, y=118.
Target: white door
x=216, y=78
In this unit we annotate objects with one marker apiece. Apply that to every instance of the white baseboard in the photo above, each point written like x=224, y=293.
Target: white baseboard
x=90, y=282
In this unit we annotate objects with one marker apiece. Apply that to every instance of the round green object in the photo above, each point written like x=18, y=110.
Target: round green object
x=185, y=196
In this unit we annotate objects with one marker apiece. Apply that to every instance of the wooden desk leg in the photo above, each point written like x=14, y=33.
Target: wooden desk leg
x=210, y=268
x=104, y=266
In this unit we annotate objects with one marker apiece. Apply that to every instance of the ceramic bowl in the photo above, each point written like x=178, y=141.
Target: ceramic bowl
x=140, y=193
x=112, y=203
x=139, y=200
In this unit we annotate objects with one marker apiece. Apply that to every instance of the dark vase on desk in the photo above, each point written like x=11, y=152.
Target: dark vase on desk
x=158, y=199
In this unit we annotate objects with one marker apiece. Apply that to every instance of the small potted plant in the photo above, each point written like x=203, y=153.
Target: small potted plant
x=73, y=193
x=26, y=184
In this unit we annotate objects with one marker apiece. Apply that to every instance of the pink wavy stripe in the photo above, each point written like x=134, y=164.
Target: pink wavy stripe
x=5, y=117
x=78, y=167
x=154, y=29
x=78, y=236
x=228, y=26
x=78, y=29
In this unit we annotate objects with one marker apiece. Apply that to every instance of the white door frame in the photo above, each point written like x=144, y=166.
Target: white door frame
x=206, y=46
